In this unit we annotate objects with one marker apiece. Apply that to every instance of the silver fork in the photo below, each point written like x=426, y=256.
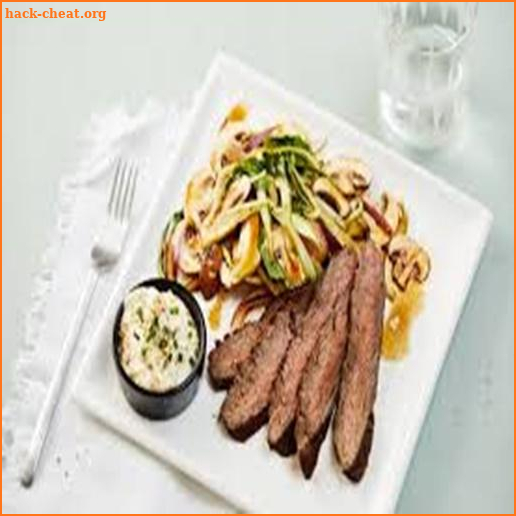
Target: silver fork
x=104, y=255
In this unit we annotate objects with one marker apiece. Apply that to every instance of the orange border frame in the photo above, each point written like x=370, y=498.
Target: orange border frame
x=1, y=144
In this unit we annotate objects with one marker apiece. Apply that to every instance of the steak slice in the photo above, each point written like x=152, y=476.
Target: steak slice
x=357, y=470
x=359, y=377
x=283, y=407
x=229, y=354
x=320, y=382
x=244, y=410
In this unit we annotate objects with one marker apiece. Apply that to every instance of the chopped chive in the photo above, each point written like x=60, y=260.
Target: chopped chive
x=151, y=334
x=167, y=360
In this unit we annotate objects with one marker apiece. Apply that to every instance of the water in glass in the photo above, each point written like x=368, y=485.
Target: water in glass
x=423, y=79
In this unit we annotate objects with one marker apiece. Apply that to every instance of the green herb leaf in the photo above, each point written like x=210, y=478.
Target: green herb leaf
x=272, y=266
x=250, y=167
x=168, y=231
x=288, y=140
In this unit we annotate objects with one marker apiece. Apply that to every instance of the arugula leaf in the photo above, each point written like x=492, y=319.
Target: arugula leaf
x=250, y=167
x=288, y=140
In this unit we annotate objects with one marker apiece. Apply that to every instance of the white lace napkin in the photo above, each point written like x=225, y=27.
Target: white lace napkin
x=85, y=467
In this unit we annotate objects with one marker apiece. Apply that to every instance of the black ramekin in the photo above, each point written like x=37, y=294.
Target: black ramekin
x=163, y=405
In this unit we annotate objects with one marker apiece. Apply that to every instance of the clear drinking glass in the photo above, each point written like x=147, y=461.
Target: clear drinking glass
x=423, y=74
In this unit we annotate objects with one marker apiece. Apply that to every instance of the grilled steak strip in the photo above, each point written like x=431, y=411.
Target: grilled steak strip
x=283, y=407
x=359, y=377
x=357, y=470
x=320, y=381
x=229, y=354
x=245, y=408
x=308, y=454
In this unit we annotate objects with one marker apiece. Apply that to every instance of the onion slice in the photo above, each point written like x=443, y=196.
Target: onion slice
x=258, y=298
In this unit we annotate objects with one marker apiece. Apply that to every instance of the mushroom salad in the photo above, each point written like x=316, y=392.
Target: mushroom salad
x=269, y=210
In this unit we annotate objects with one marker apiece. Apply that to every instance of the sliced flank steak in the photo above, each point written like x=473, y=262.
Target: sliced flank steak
x=284, y=400
x=320, y=382
x=245, y=408
x=235, y=348
x=357, y=470
x=352, y=425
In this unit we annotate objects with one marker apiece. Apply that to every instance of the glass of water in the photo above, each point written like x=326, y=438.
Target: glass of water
x=423, y=75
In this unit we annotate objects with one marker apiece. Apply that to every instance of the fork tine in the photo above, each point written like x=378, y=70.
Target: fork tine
x=127, y=187
x=120, y=191
x=133, y=188
x=114, y=186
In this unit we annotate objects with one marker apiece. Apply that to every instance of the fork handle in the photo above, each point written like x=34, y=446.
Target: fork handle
x=52, y=397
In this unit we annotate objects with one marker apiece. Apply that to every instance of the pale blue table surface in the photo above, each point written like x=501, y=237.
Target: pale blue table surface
x=56, y=72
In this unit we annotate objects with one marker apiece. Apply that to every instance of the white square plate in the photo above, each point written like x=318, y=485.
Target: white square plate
x=451, y=225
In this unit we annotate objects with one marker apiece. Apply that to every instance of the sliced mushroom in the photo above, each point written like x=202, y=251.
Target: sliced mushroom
x=360, y=174
x=395, y=214
x=209, y=280
x=337, y=171
x=246, y=255
x=391, y=286
x=410, y=261
x=391, y=211
x=357, y=228
x=423, y=265
x=238, y=192
x=186, y=244
x=319, y=248
x=356, y=206
x=327, y=190
x=379, y=229
x=349, y=174
x=377, y=233
x=401, y=246
x=228, y=220
x=403, y=225
x=198, y=196
x=313, y=237
x=229, y=145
